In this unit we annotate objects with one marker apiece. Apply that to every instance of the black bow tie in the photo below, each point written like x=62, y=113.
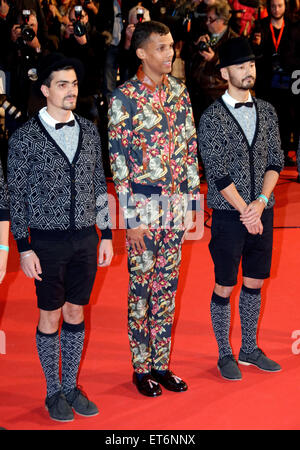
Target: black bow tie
x=249, y=104
x=71, y=123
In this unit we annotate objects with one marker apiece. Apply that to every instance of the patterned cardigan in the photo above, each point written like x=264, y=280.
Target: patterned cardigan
x=50, y=195
x=152, y=141
x=228, y=157
x=4, y=202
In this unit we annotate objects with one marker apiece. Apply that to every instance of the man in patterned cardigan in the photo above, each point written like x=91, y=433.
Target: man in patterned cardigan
x=153, y=145
x=58, y=193
x=241, y=150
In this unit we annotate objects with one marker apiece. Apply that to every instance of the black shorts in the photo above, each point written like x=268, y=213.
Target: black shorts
x=231, y=243
x=68, y=270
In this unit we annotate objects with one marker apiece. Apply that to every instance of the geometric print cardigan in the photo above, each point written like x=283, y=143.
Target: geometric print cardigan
x=49, y=195
x=228, y=157
x=4, y=207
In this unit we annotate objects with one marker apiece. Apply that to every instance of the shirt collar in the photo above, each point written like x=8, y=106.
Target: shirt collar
x=148, y=82
x=232, y=101
x=43, y=113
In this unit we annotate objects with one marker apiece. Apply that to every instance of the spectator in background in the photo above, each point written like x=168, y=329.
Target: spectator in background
x=244, y=15
x=34, y=5
x=138, y=14
x=203, y=78
x=131, y=63
x=5, y=25
x=293, y=57
x=53, y=20
x=24, y=54
x=91, y=8
x=112, y=21
x=294, y=11
x=274, y=68
x=82, y=41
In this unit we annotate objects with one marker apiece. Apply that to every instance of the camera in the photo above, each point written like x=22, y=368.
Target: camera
x=204, y=46
x=79, y=27
x=140, y=14
x=27, y=32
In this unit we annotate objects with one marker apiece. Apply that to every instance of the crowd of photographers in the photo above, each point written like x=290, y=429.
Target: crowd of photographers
x=99, y=34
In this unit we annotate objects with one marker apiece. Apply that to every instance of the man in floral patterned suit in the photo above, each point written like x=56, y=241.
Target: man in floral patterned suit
x=151, y=129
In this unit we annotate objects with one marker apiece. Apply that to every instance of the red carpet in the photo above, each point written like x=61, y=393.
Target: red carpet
x=260, y=401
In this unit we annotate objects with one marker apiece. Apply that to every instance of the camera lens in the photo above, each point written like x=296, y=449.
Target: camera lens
x=79, y=29
x=203, y=46
x=28, y=33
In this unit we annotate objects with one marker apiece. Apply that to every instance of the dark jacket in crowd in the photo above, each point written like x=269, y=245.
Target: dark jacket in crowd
x=269, y=61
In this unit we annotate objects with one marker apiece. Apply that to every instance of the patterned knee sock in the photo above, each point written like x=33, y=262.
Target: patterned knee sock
x=249, y=306
x=48, y=351
x=71, y=341
x=220, y=317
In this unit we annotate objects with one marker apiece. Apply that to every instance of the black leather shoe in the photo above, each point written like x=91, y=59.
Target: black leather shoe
x=147, y=385
x=169, y=381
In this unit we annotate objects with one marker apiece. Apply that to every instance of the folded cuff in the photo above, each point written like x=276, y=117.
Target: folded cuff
x=106, y=234
x=274, y=167
x=23, y=245
x=4, y=215
x=223, y=182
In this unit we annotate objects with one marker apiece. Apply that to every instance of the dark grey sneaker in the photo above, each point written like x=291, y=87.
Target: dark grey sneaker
x=81, y=404
x=58, y=408
x=229, y=369
x=258, y=358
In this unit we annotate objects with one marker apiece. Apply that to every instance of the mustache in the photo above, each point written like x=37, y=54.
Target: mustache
x=250, y=77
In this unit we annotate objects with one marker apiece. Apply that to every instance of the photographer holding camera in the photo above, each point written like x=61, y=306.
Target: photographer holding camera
x=84, y=42
x=25, y=32
x=25, y=48
x=203, y=78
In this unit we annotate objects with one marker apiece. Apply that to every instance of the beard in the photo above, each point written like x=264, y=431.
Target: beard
x=245, y=84
x=277, y=18
x=69, y=103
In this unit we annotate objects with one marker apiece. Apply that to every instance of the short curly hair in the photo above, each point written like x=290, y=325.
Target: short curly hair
x=143, y=31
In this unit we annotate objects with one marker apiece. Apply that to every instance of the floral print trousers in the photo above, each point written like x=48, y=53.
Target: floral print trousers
x=151, y=298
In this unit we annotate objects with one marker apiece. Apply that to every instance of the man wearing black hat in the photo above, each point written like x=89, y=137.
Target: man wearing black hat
x=241, y=150
x=58, y=193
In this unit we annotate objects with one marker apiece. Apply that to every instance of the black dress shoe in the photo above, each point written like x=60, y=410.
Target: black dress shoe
x=147, y=385
x=169, y=381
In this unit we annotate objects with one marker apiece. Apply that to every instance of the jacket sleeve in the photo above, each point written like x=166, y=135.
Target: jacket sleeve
x=120, y=135
x=192, y=157
x=4, y=202
x=275, y=153
x=17, y=178
x=212, y=151
x=103, y=220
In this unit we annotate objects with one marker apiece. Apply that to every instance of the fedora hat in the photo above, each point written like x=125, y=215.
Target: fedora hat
x=54, y=62
x=235, y=51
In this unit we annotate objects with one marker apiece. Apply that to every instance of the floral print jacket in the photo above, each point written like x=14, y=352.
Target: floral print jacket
x=152, y=141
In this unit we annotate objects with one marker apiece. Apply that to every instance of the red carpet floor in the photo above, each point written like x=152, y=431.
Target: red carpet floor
x=260, y=401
